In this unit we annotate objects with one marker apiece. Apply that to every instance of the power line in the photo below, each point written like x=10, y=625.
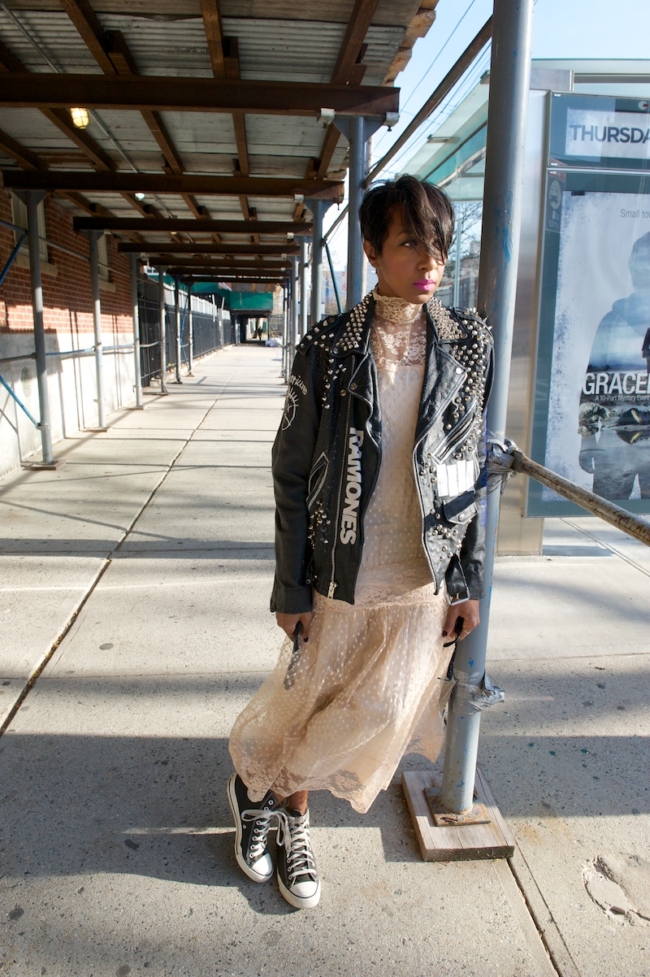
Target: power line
x=431, y=66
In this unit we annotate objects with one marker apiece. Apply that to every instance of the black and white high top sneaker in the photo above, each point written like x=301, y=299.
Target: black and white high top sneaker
x=297, y=873
x=252, y=823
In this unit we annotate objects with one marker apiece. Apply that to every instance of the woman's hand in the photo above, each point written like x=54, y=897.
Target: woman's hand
x=288, y=623
x=463, y=616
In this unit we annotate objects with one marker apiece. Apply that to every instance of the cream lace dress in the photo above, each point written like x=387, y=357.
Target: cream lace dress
x=367, y=686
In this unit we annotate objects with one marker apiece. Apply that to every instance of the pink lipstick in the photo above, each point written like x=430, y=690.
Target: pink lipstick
x=424, y=284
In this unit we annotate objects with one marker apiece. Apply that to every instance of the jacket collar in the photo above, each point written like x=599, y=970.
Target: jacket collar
x=354, y=336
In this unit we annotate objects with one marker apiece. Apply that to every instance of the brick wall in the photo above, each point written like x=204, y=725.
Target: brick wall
x=68, y=321
x=67, y=296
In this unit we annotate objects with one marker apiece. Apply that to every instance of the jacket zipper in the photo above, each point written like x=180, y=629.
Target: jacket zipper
x=456, y=434
x=443, y=407
x=333, y=585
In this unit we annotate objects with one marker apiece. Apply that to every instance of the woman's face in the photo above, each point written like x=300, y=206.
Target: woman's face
x=404, y=269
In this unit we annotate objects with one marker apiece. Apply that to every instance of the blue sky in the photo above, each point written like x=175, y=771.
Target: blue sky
x=561, y=29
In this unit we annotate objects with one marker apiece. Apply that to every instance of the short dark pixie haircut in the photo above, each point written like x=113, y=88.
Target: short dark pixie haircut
x=426, y=211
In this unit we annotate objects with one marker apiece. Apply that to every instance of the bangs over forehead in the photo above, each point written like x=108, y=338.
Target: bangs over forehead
x=426, y=212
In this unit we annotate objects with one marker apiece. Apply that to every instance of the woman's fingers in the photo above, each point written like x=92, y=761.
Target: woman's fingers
x=305, y=620
x=461, y=619
x=289, y=622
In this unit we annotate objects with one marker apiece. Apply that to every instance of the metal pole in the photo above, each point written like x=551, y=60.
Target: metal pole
x=502, y=202
x=356, y=177
x=459, y=241
x=333, y=274
x=97, y=327
x=317, y=208
x=190, y=326
x=177, y=321
x=303, y=286
x=34, y=197
x=293, y=321
x=162, y=331
x=136, y=330
x=286, y=330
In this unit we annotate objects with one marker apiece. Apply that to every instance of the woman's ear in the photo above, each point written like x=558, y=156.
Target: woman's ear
x=371, y=254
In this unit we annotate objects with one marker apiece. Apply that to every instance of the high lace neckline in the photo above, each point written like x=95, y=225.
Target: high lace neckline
x=393, y=309
x=398, y=334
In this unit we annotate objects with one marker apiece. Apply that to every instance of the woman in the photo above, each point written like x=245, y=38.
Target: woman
x=378, y=478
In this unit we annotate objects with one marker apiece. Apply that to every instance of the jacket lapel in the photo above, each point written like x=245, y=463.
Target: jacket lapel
x=443, y=377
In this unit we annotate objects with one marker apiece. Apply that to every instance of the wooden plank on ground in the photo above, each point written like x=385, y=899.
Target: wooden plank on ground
x=456, y=843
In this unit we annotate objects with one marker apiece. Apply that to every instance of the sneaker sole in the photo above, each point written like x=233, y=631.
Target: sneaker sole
x=241, y=861
x=295, y=901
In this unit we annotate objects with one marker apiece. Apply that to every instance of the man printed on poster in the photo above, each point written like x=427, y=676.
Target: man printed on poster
x=614, y=412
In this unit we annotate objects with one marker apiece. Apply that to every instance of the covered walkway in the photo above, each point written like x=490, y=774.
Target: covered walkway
x=143, y=567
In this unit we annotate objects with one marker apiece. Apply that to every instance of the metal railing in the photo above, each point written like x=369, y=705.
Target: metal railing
x=506, y=459
x=208, y=335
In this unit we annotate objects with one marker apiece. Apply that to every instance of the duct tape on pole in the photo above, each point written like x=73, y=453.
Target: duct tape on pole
x=136, y=331
x=97, y=327
x=502, y=204
x=162, y=331
x=34, y=197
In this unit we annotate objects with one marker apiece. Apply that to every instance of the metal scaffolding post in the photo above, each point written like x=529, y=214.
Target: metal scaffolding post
x=502, y=203
x=97, y=328
x=358, y=131
x=318, y=208
x=190, y=331
x=284, y=372
x=34, y=197
x=459, y=242
x=293, y=318
x=162, y=331
x=177, y=327
x=136, y=331
x=304, y=259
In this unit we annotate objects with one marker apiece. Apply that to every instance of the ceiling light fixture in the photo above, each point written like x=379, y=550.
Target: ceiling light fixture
x=80, y=118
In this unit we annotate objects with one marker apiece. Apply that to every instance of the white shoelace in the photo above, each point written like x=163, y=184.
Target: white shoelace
x=293, y=833
x=262, y=822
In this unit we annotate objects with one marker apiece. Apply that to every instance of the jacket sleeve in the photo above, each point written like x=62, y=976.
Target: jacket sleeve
x=472, y=551
x=292, y=455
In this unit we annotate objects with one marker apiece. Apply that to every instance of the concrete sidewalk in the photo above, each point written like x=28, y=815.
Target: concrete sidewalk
x=137, y=576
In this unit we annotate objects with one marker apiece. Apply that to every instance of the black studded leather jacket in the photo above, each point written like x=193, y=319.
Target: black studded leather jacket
x=327, y=453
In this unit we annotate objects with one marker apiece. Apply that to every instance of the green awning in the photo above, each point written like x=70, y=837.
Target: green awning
x=251, y=301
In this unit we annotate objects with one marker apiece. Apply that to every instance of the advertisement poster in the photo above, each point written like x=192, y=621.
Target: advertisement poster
x=598, y=432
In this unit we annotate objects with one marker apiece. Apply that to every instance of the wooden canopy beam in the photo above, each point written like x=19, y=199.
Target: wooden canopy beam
x=218, y=270
x=348, y=70
x=201, y=226
x=91, y=31
x=234, y=281
x=214, y=35
x=32, y=90
x=112, y=54
x=175, y=247
x=166, y=183
x=23, y=156
x=11, y=66
x=238, y=265
x=224, y=58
